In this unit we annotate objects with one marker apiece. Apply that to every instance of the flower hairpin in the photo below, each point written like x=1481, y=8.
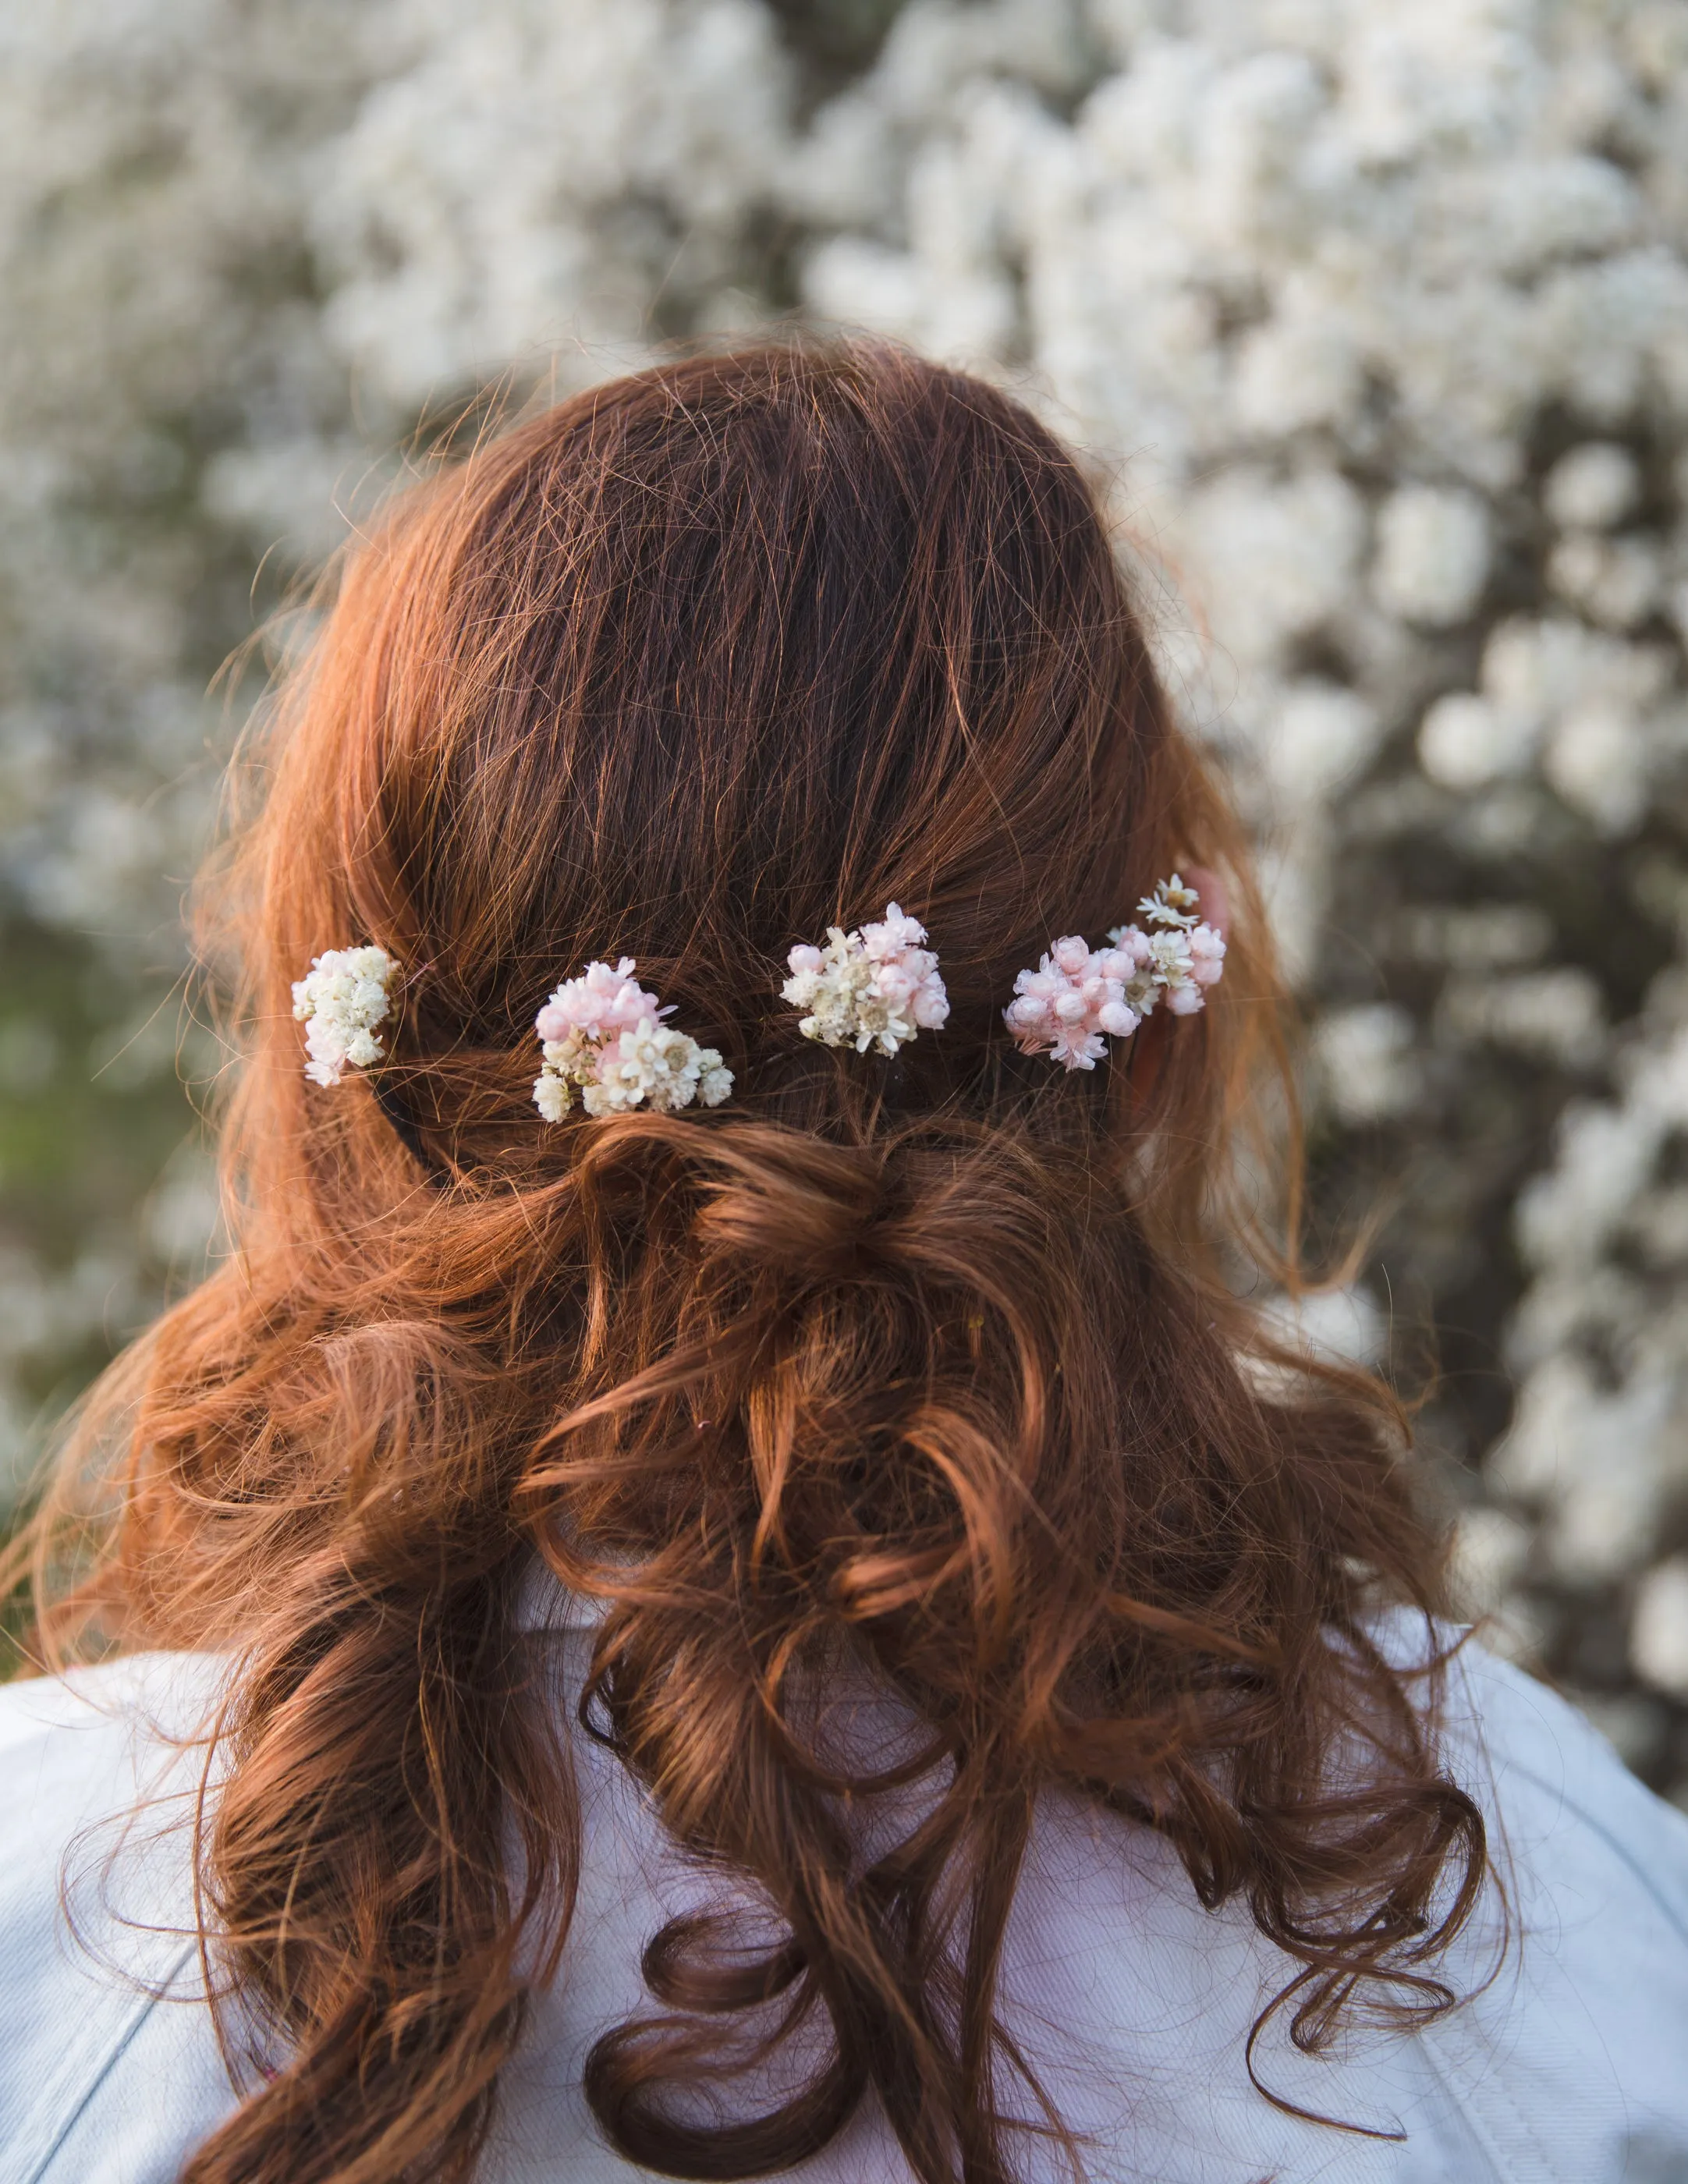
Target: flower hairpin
x=602, y=1035
x=1078, y=996
x=340, y=1001
x=878, y=986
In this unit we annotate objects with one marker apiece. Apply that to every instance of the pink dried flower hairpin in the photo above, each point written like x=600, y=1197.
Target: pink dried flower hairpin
x=603, y=1035
x=878, y=986
x=1078, y=996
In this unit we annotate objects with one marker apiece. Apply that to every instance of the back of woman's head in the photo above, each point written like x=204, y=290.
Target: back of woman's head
x=920, y=1371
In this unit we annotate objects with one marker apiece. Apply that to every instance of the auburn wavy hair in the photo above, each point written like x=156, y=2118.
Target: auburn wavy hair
x=935, y=1371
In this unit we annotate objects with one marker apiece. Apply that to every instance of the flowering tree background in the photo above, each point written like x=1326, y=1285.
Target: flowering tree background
x=1378, y=310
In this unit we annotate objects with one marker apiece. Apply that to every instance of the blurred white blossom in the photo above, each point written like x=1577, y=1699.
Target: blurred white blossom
x=1368, y=1068
x=1433, y=554
x=1343, y=1324
x=1490, y=1550
x=1466, y=741
x=1554, y=1015
x=1592, y=487
x=1658, y=1640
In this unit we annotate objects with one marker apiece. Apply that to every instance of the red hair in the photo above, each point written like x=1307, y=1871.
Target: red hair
x=930, y=1371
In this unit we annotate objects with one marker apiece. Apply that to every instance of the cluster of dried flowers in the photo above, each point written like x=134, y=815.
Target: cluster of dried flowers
x=877, y=987
x=1080, y=997
x=341, y=1000
x=603, y=1035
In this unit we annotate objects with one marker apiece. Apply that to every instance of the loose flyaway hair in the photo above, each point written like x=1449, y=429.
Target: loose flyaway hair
x=924, y=1367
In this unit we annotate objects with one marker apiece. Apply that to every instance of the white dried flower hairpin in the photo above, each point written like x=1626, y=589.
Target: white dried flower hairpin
x=602, y=1035
x=877, y=986
x=341, y=1001
x=1078, y=996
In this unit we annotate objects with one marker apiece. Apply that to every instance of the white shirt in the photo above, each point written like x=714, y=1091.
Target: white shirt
x=1570, y=2067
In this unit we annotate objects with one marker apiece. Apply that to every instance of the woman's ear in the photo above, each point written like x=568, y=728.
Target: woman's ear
x=1213, y=897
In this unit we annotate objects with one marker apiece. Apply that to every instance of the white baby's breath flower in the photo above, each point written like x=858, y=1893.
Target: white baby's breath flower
x=552, y=1095
x=340, y=1001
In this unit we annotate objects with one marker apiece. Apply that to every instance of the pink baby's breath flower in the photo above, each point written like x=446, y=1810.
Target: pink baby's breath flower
x=1079, y=997
x=1065, y=1006
x=894, y=935
x=1076, y=1047
x=599, y=1003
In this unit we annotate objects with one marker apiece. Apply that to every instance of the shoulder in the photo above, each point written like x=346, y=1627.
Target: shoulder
x=99, y=1979
x=1564, y=2064
x=1559, y=1787
x=1559, y=1804
x=1572, y=2059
